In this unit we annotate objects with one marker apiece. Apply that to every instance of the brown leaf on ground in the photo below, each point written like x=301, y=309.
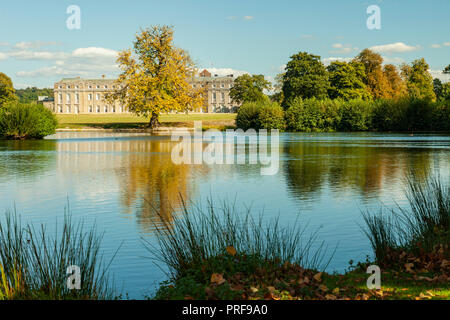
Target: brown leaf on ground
x=231, y=251
x=323, y=288
x=423, y=278
x=253, y=289
x=217, y=278
x=271, y=289
x=408, y=267
x=318, y=277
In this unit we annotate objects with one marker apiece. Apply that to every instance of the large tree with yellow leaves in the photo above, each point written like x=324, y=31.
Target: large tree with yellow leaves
x=155, y=76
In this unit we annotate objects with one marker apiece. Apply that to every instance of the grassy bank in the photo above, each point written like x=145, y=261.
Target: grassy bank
x=129, y=121
x=219, y=254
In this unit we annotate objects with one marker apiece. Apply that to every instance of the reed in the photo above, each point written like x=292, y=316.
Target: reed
x=33, y=262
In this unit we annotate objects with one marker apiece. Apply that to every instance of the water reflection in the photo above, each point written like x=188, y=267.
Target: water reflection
x=150, y=185
x=127, y=183
x=349, y=166
x=26, y=159
x=153, y=182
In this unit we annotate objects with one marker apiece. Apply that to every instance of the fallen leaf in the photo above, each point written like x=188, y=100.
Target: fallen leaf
x=424, y=296
x=430, y=293
x=424, y=278
x=271, y=289
x=330, y=297
x=231, y=251
x=236, y=287
x=408, y=267
x=335, y=291
x=253, y=289
x=323, y=288
x=217, y=278
x=318, y=277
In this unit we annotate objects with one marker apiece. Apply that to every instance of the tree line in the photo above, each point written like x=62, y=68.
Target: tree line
x=356, y=95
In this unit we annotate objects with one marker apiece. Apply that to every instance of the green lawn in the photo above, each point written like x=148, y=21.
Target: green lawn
x=128, y=121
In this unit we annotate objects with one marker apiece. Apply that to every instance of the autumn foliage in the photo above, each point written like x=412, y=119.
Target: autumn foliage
x=155, y=76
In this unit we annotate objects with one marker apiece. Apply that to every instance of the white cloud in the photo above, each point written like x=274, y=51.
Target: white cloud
x=94, y=52
x=447, y=44
x=394, y=47
x=393, y=60
x=327, y=61
x=441, y=76
x=306, y=36
x=34, y=44
x=3, y=56
x=343, y=48
x=45, y=72
x=84, y=62
x=22, y=85
x=436, y=46
x=225, y=71
x=249, y=17
x=37, y=55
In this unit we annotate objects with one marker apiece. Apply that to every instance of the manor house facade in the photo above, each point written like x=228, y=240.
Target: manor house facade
x=87, y=96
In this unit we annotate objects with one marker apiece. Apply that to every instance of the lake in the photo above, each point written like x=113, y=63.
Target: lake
x=118, y=180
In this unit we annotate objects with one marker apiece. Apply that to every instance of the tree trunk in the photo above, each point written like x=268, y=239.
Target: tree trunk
x=154, y=121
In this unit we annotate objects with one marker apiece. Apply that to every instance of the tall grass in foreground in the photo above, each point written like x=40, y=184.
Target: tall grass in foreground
x=200, y=235
x=417, y=230
x=33, y=264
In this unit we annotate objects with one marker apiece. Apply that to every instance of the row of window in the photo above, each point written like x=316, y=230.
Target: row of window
x=214, y=86
x=77, y=97
x=91, y=109
x=90, y=87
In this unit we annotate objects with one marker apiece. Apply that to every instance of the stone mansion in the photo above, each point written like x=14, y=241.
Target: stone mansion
x=86, y=96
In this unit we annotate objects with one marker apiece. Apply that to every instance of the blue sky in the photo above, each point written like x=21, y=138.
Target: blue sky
x=232, y=36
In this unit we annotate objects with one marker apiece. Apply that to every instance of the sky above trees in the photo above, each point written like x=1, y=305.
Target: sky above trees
x=37, y=48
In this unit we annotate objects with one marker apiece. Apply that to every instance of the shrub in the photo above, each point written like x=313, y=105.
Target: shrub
x=302, y=116
x=389, y=115
x=260, y=115
x=247, y=116
x=440, y=119
x=26, y=121
x=355, y=115
x=313, y=115
x=271, y=116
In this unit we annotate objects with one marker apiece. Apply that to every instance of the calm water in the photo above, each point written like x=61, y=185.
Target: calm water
x=114, y=180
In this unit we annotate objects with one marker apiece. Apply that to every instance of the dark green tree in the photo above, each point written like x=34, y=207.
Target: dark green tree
x=437, y=88
x=446, y=69
x=305, y=77
x=346, y=81
x=446, y=91
x=249, y=88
